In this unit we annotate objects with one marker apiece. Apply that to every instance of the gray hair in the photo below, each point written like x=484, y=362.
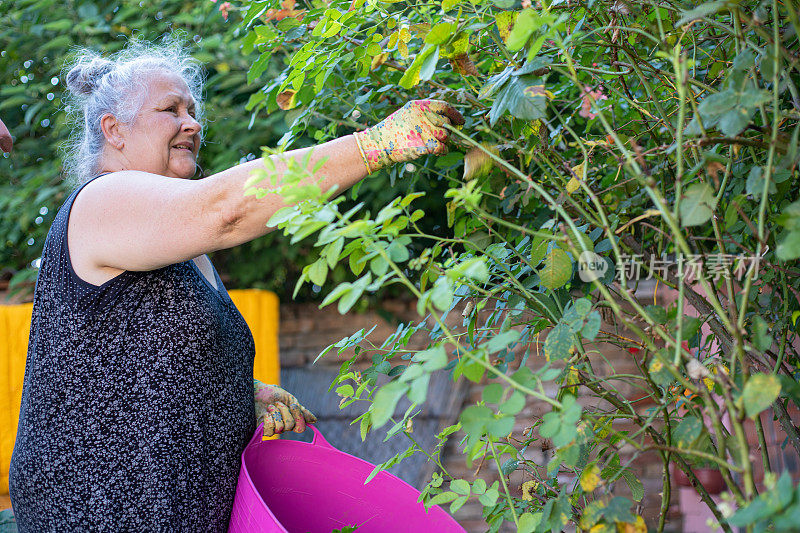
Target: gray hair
x=118, y=85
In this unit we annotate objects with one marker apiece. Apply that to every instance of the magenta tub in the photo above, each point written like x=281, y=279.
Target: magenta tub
x=299, y=487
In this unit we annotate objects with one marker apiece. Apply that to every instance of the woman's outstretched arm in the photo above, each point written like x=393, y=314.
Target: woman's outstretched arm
x=133, y=220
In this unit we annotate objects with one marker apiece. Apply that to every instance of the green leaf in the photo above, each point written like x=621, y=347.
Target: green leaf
x=494, y=83
x=761, y=337
x=440, y=33
x=333, y=251
x=444, y=497
x=557, y=269
x=442, y=293
x=619, y=510
x=703, y=10
x=412, y=75
x=759, y=393
x=474, y=268
x=634, y=484
x=697, y=204
x=528, y=522
x=592, y=326
x=524, y=97
x=734, y=121
x=458, y=503
x=460, y=486
x=337, y=292
x=500, y=427
x=657, y=313
x=357, y=289
x=514, y=404
x=789, y=247
x=509, y=466
x=558, y=343
x=687, y=431
x=712, y=107
x=419, y=389
x=428, y=67
x=489, y=498
x=432, y=359
x=385, y=401
x=755, y=183
x=473, y=422
x=498, y=342
x=318, y=271
x=492, y=393
x=527, y=22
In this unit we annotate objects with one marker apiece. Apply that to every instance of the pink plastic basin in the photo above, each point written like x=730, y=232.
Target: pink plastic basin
x=298, y=487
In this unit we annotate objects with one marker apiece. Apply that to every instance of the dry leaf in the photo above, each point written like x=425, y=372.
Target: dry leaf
x=477, y=162
x=285, y=99
x=463, y=65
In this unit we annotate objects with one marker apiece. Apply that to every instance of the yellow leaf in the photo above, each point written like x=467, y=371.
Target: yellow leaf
x=590, y=478
x=403, y=48
x=505, y=21
x=528, y=488
x=405, y=35
x=573, y=185
x=579, y=171
x=637, y=527
x=378, y=60
x=477, y=162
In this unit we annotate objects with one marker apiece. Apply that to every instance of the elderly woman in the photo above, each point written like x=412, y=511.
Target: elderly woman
x=138, y=392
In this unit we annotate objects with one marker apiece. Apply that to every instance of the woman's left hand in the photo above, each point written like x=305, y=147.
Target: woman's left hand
x=280, y=410
x=416, y=129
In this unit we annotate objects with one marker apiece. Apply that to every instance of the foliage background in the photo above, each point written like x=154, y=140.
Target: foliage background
x=664, y=129
x=37, y=36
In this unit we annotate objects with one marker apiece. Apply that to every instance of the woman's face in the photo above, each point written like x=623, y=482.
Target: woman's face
x=164, y=137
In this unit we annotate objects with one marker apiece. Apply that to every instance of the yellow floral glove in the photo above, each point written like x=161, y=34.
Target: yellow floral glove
x=414, y=130
x=280, y=410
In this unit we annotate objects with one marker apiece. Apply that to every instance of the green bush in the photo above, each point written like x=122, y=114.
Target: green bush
x=37, y=38
x=667, y=130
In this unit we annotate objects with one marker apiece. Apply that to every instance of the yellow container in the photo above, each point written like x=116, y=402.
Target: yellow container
x=259, y=309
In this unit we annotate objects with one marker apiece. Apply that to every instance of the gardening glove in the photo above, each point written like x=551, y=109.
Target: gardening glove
x=414, y=130
x=280, y=410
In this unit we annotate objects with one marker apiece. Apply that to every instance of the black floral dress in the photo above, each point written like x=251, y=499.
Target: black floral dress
x=137, y=400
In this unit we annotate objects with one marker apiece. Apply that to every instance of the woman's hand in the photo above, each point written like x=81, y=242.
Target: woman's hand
x=280, y=410
x=414, y=130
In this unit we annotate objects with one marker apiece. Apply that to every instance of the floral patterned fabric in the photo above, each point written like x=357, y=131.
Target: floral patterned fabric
x=412, y=131
x=137, y=400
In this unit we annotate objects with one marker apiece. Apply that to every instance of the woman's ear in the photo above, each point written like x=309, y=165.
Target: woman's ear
x=112, y=131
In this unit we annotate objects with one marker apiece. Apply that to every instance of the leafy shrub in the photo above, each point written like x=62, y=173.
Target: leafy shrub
x=37, y=37
x=665, y=130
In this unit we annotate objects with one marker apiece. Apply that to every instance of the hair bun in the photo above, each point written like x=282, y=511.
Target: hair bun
x=84, y=77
